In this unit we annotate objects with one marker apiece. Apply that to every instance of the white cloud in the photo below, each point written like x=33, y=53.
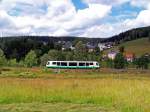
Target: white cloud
x=141, y=20
x=140, y=3
x=106, y=2
x=60, y=17
x=88, y=16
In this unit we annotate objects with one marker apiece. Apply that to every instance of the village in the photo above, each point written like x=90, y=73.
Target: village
x=108, y=46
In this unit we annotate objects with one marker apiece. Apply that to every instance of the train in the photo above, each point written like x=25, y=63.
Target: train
x=73, y=64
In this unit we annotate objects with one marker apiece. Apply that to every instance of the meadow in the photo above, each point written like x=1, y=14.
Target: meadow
x=136, y=46
x=43, y=90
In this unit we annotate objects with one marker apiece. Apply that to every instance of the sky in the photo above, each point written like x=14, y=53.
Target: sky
x=82, y=18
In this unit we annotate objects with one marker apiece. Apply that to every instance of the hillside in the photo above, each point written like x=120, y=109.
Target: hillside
x=129, y=35
x=139, y=46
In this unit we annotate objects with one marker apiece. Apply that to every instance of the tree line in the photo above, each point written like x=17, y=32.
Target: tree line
x=130, y=35
x=79, y=54
x=32, y=58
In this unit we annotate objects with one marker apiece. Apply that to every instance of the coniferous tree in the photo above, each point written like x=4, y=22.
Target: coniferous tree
x=119, y=62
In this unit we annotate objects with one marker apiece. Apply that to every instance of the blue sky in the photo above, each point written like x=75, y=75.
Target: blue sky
x=83, y=18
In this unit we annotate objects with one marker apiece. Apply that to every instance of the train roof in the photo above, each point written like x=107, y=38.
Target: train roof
x=72, y=61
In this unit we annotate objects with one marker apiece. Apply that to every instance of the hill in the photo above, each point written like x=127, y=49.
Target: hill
x=129, y=35
x=138, y=46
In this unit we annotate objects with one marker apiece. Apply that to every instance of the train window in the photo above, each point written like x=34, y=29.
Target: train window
x=81, y=64
x=87, y=64
x=54, y=63
x=97, y=64
x=63, y=63
x=91, y=63
x=72, y=64
x=58, y=63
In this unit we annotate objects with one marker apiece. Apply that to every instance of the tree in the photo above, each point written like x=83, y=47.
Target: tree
x=56, y=55
x=119, y=61
x=44, y=59
x=12, y=62
x=2, y=58
x=110, y=63
x=80, y=52
x=31, y=59
x=97, y=51
x=69, y=56
x=121, y=49
x=142, y=62
x=149, y=37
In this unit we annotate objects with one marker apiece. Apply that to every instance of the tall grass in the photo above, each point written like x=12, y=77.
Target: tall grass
x=124, y=95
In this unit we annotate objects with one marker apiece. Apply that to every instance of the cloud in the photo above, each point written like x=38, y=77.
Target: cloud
x=106, y=2
x=53, y=17
x=60, y=17
x=140, y=3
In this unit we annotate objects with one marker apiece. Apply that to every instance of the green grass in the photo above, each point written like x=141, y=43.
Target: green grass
x=139, y=46
x=81, y=91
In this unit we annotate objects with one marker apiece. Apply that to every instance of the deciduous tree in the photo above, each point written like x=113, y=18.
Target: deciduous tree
x=31, y=59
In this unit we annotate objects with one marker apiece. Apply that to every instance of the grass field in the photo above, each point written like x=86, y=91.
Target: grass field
x=74, y=91
x=139, y=46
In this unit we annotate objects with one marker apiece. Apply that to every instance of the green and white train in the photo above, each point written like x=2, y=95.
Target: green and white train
x=73, y=64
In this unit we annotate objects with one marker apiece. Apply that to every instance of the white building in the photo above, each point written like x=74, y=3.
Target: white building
x=102, y=46
x=112, y=55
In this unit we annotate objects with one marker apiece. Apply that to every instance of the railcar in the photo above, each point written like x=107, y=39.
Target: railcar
x=73, y=64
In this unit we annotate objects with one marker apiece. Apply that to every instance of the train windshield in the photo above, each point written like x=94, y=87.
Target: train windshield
x=47, y=63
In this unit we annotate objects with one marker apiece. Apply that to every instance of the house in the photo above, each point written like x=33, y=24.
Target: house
x=90, y=47
x=129, y=57
x=68, y=46
x=147, y=55
x=112, y=54
x=102, y=46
